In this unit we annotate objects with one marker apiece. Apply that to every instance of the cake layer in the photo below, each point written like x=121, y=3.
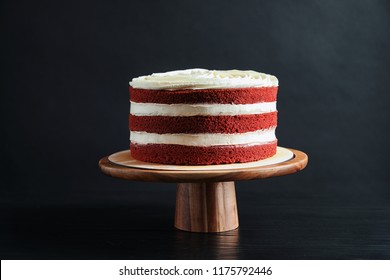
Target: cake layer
x=178, y=110
x=204, y=139
x=203, y=124
x=221, y=96
x=194, y=155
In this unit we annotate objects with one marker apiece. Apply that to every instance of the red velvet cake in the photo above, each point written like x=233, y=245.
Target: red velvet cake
x=202, y=117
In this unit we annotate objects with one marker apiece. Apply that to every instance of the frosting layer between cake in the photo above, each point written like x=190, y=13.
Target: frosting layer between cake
x=185, y=110
x=204, y=139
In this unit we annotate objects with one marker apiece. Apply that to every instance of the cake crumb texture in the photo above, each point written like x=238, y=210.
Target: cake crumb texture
x=196, y=155
x=203, y=124
x=218, y=96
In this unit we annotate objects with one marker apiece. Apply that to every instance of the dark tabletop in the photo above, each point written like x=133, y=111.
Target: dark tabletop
x=279, y=219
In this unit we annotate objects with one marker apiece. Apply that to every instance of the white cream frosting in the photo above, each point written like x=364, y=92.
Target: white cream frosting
x=186, y=110
x=202, y=78
x=205, y=139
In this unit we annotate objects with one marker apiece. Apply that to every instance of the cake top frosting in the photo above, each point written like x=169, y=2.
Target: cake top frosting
x=202, y=78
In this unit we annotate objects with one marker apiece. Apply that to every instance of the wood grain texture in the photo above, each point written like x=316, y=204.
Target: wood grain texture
x=296, y=164
x=206, y=207
x=206, y=200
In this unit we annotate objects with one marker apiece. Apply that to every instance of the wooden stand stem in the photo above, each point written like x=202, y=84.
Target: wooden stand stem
x=206, y=207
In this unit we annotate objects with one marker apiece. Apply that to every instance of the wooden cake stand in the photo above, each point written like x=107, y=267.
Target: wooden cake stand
x=205, y=195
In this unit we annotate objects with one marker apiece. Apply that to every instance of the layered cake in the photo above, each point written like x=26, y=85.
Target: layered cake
x=202, y=117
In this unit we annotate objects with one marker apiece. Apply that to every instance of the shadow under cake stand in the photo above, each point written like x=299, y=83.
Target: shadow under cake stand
x=205, y=195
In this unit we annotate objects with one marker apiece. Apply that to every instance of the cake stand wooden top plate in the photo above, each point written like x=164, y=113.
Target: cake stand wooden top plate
x=122, y=165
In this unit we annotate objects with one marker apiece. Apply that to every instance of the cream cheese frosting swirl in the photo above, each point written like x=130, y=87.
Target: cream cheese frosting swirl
x=198, y=78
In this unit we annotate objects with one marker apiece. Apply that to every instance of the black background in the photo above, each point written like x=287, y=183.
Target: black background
x=64, y=105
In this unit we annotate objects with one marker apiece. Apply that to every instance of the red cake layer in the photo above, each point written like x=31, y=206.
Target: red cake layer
x=195, y=155
x=190, y=96
x=203, y=124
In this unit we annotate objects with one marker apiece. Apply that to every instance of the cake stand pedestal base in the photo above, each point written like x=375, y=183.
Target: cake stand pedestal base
x=206, y=207
x=205, y=196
